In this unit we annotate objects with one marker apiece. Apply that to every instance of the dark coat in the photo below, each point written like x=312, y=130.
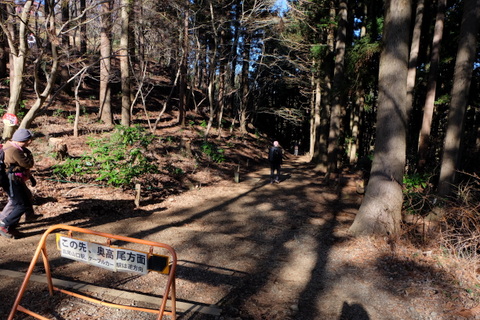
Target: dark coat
x=275, y=155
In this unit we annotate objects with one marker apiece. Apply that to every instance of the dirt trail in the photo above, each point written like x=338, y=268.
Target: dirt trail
x=255, y=250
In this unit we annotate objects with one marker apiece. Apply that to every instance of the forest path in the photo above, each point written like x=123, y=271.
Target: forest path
x=254, y=249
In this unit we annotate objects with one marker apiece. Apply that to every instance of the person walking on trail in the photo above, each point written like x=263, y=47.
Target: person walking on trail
x=275, y=155
x=18, y=162
x=31, y=40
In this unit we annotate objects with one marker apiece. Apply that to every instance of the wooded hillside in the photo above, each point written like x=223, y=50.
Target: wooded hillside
x=390, y=87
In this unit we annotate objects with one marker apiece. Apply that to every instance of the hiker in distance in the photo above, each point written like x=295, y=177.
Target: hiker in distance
x=18, y=162
x=31, y=40
x=275, y=156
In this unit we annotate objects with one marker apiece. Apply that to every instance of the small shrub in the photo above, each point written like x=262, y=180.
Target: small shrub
x=22, y=111
x=73, y=167
x=213, y=152
x=58, y=113
x=415, y=191
x=116, y=161
x=168, y=139
x=174, y=170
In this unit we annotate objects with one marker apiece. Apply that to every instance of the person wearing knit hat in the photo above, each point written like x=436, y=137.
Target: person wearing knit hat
x=18, y=162
x=22, y=135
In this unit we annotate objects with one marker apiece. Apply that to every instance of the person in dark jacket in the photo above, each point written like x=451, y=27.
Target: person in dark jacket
x=18, y=161
x=275, y=156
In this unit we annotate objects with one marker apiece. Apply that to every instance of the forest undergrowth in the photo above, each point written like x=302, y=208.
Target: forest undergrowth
x=449, y=231
x=444, y=234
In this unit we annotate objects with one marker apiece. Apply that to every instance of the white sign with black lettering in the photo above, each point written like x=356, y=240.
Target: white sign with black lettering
x=101, y=256
x=114, y=259
x=131, y=261
x=73, y=249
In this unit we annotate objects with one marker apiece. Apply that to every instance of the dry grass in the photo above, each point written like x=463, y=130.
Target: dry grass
x=447, y=235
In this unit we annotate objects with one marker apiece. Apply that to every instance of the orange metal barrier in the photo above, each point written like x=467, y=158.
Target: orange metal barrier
x=41, y=249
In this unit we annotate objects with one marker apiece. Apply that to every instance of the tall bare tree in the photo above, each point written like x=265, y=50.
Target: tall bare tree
x=105, y=109
x=53, y=39
x=321, y=83
x=3, y=44
x=337, y=92
x=244, y=86
x=315, y=118
x=424, y=137
x=83, y=28
x=17, y=42
x=461, y=88
x=124, y=61
x=182, y=103
x=380, y=211
x=414, y=49
x=320, y=155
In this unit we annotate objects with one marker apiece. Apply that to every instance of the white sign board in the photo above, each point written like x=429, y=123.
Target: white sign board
x=114, y=259
x=101, y=256
x=73, y=249
x=131, y=261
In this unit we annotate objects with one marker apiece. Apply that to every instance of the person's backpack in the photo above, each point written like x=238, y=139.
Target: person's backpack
x=275, y=155
x=3, y=170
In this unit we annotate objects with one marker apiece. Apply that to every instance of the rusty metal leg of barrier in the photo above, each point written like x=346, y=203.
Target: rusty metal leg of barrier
x=174, y=300
x=48, y=273
x=31, y=313
x=162, y=308
x=23, y=287
x=170, y=286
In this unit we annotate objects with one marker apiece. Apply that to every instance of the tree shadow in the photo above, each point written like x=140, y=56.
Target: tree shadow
x=242, y=243
x=353, y=311
x=86, y=213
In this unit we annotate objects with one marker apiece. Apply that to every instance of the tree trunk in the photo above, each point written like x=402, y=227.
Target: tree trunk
x=424, y=137
x=338, y=78
x=358, y=106
x=460, y=91
x=3, y=48
x=182, y=96
x=83, y=29
x=41, y=98
x=77, y=104
x=212, y=76
x=242, y=117
x=414, y=48
x=380, y=211
x=141, y=41
x=211, y=99
x=315, y=117
x=18, y=52
x=124, y=63
x=65, y=18
x=355, y=125
x=321, y=152
x=233, y=63
x=105, y=108
x=221, y=94
x=320, y=156
x=53, y=39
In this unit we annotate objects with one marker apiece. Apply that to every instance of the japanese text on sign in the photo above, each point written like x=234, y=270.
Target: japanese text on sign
x=128, y=260
x=115, y=259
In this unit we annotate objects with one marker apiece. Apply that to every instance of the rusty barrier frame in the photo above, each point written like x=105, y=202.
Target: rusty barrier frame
x=41, y=249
